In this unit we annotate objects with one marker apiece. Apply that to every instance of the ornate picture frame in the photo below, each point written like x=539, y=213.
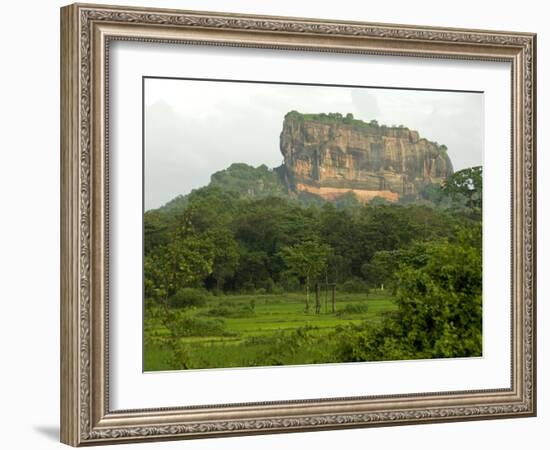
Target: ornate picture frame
x=87, y=31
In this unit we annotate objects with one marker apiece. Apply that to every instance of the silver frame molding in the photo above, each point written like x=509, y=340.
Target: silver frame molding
x=86, y=31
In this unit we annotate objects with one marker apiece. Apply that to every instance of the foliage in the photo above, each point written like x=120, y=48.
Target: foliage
x=249, y=181
x=354, y=285
x=194, y=326
x=226, y=256
x=337, y=118
x=347, y=201
x=306, y=260
x=434, y=195
x=229, y=310
x=187, y=297
x=290, y=282
x=228, y=240
x=381, y=270
x=466, y=184
x=353, y=308
x=184, y=261
x=439, y=308
x=268, y=336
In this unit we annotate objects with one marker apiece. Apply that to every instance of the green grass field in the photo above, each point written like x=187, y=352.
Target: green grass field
x=255, y=330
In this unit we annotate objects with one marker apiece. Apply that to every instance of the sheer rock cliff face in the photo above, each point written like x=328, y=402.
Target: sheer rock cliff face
x=330, y=155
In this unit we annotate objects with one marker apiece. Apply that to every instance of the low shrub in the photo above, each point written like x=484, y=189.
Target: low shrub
x=353, y=308
x=186, y=297
x=236, y=311
x=248, y=288
x=355, y=286
x=290, y=283
x=277, y=290
x=187, y=326
x=268, y=285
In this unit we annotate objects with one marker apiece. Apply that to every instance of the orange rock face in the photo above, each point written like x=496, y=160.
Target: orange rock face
x=329, y=155
x=333, y=194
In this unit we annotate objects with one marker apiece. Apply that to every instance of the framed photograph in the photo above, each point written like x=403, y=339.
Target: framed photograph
x=276, y=224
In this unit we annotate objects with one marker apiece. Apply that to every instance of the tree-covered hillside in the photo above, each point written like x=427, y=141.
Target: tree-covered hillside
x=243, y=236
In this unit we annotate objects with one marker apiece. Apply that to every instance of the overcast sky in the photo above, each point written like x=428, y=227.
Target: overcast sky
x=195, y=128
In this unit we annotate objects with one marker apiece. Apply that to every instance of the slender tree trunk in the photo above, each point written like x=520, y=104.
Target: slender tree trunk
x=166, y=296
x=317, y=298
x=307, y=293
x=326, y=290
x=165, y=303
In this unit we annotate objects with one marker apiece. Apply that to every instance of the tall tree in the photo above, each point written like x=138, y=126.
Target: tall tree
x=185, y=261
x=226, y=255
x=466, y=183
x=307, y=260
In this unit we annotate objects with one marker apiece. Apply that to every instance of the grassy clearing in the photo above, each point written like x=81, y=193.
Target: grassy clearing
x=256, y=330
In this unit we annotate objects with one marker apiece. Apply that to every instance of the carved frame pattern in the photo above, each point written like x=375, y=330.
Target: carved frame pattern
x=86, y=418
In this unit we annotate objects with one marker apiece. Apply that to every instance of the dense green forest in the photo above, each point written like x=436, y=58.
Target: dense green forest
x=240, y=273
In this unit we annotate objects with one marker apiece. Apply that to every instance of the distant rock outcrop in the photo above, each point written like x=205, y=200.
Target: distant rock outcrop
x=329, y=155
